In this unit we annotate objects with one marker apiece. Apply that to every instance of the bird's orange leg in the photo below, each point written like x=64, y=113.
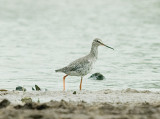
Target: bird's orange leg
x=81, y=83
x=64, y=82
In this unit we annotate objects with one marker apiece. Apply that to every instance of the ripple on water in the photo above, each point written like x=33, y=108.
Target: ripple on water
x=46, y=37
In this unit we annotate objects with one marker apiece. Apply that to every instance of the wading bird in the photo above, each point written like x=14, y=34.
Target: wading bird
x=83, y=65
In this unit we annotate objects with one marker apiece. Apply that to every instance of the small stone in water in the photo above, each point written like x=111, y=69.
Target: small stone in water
x=33, y=88
x=74, y=92
x=20, y=88
x=37, y=88
x=97, y=76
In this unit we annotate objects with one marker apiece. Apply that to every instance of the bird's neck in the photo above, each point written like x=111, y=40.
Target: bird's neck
x=94, y=51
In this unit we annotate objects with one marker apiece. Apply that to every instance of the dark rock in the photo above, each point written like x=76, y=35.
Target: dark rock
x=20, y=88
x=42, y=106
x=37, y=88
x=74, y=92
x=33, y=88
x=4, y=103
x=97, y=76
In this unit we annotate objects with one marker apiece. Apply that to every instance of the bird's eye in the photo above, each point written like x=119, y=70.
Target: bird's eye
x=98, y=41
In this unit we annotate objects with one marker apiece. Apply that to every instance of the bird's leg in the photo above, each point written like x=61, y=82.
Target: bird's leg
x=64, y=82
x=81, y=83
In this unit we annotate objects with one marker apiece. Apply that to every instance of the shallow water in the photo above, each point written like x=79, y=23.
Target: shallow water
x=37, y=37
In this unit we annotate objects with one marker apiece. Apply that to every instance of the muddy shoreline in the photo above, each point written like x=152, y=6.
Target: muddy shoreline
x=106, y=104
x=80, y=110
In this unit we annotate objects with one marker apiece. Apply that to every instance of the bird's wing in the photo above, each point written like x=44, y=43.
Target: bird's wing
x=78, y=64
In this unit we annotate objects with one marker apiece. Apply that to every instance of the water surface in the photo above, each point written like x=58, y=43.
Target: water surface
x=37, y=37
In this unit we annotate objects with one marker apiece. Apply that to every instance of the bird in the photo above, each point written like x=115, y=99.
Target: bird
x=83, y=65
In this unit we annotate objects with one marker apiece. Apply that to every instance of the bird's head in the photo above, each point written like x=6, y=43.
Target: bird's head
x=99, y=42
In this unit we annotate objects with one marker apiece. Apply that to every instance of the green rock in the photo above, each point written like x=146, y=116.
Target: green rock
x=20, y=88
x=74, y=92
x=97, y=76
x=37, y=88
x=33, y=88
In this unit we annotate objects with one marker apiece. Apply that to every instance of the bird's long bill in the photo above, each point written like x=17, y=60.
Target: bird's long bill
x=107, y=46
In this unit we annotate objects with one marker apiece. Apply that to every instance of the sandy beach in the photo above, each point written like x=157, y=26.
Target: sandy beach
x=104, y=104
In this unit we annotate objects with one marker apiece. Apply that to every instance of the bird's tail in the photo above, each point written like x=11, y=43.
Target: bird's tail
x=58, y=70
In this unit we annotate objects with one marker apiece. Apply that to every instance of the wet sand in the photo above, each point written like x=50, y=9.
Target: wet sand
x=105, y=104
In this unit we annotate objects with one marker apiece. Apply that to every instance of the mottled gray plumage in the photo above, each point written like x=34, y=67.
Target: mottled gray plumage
x=82, y=66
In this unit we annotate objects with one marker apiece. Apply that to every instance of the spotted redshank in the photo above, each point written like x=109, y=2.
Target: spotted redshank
x=83, y=65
